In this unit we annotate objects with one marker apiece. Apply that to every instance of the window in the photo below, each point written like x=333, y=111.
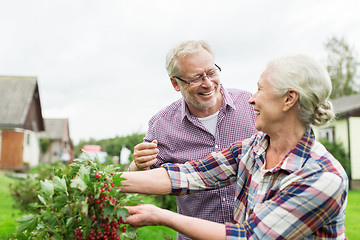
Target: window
x=328, y=133
x=28, y=139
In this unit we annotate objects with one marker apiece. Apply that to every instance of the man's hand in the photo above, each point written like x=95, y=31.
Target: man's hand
x=144, y=156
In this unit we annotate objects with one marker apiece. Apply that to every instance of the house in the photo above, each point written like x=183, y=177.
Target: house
x=59, y=143
x=20, y=121
x=346, y=129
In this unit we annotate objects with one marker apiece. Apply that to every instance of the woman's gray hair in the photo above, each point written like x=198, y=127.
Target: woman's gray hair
x=181, y=50
x=310, y=79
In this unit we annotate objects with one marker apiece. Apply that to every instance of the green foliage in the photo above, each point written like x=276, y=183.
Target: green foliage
x=44, y=144
x=166, y=201
x=24, y=192
x=338, y=151
x=81, y=200
x=343, y=67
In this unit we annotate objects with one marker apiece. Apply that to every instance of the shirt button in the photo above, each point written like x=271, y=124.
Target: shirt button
x=216, y=146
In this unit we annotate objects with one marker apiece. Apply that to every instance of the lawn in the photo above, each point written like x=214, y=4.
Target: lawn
x=9, y=214
x=352, y=226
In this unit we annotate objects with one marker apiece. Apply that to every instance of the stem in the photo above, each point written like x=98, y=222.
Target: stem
x=58, y=220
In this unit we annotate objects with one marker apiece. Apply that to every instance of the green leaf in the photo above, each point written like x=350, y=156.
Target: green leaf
x=35, y=205
x=84, y=208
x=78, y=183
x=108, y=210
x=42, y=200
x=60, y=185
x=59, y=201
x=131, y=200
x=47, y=188
x=84, y=171
x=27, y=222
x=49, y=219
x=70, y=222
x=87, y=180
x=117, y=179
x=122, y=212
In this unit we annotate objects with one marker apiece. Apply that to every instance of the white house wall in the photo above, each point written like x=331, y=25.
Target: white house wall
x=31, y=153
x=341, y=133
x=355, y=149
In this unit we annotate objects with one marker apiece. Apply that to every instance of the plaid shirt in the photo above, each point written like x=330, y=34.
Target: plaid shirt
x=182, y=137
x=303, y=197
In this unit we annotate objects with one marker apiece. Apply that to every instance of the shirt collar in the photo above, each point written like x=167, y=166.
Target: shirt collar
x=227, y=101
x=296, y=157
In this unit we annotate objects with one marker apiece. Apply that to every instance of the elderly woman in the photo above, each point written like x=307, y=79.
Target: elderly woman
x=288, y=185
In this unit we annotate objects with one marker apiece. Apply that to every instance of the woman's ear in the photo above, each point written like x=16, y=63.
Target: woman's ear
x=291, y=98
x=175, y=84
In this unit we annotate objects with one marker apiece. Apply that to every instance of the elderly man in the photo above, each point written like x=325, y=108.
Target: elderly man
x=206, y=119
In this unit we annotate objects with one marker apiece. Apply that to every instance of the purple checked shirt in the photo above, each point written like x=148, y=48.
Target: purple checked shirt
x=182, y=137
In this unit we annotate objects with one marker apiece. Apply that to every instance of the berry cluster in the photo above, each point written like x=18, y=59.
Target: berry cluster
x=107, y=230
x=102, y=227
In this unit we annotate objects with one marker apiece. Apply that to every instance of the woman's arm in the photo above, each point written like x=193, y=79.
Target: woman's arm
x=195, y=228
x=155, y=181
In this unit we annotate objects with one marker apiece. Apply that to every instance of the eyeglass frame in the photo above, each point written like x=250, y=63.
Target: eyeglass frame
x=201, y=78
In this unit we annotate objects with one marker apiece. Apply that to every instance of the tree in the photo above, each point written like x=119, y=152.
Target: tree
x=342, y=66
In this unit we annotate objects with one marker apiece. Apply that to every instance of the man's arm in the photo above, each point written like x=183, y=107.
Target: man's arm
x=155, y=181
x=144, y=156
x=196, y=228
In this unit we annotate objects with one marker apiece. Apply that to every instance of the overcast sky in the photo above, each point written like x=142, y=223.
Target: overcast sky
x=101, y=63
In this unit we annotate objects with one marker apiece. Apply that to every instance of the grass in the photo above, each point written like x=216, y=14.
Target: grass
x=352, y=226
x=8, y=215
x=155, y=232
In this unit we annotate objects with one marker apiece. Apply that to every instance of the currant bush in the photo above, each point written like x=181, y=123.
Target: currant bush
x=81, y=202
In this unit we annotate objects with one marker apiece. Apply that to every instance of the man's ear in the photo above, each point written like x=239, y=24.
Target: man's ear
x=175, y=84
x=291, y=98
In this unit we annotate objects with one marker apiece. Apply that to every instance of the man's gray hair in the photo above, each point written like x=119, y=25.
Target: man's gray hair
x=180, y=51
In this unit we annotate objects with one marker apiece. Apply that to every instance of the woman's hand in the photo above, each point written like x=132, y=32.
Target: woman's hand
x=195, y=228
x=145, y=215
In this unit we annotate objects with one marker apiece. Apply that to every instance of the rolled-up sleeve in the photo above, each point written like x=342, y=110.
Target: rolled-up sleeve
x=215, y=171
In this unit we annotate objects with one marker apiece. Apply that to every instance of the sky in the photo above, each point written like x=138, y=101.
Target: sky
x=101, y=64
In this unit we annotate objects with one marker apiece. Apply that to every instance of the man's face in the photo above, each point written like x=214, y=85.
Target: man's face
x=205, y=96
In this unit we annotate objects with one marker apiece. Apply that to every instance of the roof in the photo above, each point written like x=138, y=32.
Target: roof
x=54, y=128
x=17, y=96
x=347, y=106
x=91, y=148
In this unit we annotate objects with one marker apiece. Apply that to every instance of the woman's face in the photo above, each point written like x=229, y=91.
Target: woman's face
x=268, y=106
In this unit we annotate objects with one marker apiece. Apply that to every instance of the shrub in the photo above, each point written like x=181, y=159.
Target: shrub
x=24, y=192
x=338, y=151
x=82, y=201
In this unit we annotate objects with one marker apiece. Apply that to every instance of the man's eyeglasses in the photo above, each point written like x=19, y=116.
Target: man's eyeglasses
x=197, y=80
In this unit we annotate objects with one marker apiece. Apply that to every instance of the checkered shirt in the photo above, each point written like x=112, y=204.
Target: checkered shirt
x=182, y=137
x=303, y=197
